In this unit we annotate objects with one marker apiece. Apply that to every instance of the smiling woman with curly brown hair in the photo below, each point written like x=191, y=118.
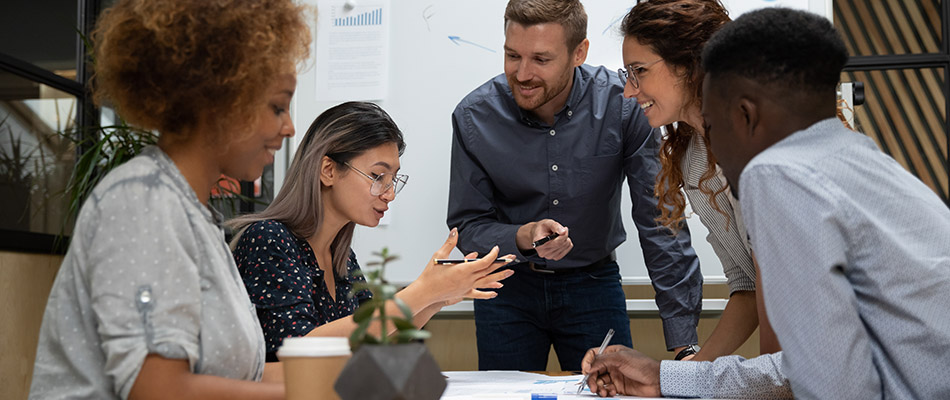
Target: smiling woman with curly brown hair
x=663, y=41
x=148, y=302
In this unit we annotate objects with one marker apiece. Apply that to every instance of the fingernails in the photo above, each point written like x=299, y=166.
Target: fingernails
x=495, y=248
x=453, y=232
x=510, y=272
x=494, y=294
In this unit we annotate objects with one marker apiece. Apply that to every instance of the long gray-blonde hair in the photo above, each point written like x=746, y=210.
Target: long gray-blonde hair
x=342, y=133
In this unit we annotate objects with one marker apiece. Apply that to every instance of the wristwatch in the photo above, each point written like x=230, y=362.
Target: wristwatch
x=688, y=351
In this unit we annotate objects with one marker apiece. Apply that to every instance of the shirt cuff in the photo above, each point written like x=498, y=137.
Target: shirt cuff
x=680, y=331
x=742, y=283
x=507, y=240
x=679, y=378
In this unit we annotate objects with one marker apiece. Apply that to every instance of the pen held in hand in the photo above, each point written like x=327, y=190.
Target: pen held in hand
x=544, y=240
x=600, y=351
x=468, y=260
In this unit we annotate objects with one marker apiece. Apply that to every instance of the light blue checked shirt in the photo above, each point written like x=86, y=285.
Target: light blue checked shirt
x=855, y=260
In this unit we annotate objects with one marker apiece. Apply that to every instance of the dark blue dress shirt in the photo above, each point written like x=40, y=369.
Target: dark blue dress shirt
x=509, y=168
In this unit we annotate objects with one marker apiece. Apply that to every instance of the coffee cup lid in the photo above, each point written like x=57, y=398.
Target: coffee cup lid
x=314, y=347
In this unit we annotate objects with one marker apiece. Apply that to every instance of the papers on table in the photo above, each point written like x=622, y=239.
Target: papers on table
x=511, y=385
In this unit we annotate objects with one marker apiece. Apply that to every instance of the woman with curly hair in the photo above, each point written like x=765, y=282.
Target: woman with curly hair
x=663, y=41
x=148, y=302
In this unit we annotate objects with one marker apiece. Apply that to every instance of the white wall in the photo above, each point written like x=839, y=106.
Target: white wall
x=429, y=74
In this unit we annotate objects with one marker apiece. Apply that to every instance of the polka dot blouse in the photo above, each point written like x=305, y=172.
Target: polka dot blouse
x=285, y=284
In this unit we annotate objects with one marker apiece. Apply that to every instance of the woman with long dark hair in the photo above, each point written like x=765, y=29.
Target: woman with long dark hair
x=295, y=256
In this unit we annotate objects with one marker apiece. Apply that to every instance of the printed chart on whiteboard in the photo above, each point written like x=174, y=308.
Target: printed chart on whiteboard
x=352, y=60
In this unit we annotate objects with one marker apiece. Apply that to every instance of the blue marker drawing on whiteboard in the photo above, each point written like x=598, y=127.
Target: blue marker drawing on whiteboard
x=456, y=40
x=426, y=14
x=616, y=20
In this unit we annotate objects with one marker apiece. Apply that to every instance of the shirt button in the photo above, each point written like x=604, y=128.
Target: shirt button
x=552, y=132
x=554, y=167
x=570, y=113
x=554, y=202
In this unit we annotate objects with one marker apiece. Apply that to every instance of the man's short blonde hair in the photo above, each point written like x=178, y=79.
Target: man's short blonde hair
x=569, y=13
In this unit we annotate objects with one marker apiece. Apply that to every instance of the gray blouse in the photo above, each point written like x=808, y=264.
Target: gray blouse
x=728, y=238
x=147, y=272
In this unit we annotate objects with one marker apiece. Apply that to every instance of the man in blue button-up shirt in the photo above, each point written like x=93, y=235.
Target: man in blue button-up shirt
x=544, y=148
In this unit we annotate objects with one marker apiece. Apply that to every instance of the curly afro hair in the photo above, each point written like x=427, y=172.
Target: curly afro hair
x=170, y=65
x=794, y=49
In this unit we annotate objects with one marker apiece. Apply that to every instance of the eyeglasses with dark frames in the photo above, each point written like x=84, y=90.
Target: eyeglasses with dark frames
x=631, y=73
x=383, y=182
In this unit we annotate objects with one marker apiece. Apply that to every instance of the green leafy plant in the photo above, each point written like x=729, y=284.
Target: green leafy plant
x=14, y=164
x=375, y=309
x=108, y=147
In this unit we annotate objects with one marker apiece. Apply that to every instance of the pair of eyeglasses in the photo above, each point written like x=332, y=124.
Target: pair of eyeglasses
x=383, y=182
x=630, y=73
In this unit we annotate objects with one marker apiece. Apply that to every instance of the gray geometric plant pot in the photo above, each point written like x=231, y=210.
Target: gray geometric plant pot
x=393, y=372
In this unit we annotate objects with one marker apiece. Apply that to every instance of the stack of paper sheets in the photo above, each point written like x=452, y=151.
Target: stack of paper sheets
x=512, y=385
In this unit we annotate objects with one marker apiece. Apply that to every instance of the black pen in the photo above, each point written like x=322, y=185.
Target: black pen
x=468, y=260
x=544, y=240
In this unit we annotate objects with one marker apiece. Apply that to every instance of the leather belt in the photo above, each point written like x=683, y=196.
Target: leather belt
x=540, y=268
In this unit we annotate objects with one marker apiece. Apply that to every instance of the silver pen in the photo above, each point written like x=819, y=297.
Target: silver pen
x=600, y=351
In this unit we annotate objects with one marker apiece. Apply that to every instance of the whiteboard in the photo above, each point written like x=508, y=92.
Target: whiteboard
x=429, y=73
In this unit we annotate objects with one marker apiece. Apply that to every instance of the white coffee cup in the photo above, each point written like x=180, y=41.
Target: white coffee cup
x=312, y=365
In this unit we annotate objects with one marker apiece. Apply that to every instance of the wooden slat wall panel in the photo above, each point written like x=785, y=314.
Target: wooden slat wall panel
x=879, y=27
x=905, y=111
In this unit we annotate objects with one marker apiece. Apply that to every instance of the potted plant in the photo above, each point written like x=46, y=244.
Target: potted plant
x=398, y=365
x=108, y=147
x=15, y=183
x=112, y=145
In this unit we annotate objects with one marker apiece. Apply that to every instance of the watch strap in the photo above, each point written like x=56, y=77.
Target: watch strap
x=687, y=351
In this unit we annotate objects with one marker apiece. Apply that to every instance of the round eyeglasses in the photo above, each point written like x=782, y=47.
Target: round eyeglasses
x=630, y=73
x=383, y=182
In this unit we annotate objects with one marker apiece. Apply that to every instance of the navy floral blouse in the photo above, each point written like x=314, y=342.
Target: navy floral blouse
x=286, y=286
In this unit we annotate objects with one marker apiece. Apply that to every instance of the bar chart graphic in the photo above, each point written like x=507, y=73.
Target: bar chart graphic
x=374, y=17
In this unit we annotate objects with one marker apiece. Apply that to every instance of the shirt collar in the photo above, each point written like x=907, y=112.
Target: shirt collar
x=178, y=180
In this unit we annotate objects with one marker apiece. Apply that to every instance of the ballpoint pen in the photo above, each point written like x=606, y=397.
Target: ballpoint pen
x=544, y=240
x=468, y=260
x=600, y=351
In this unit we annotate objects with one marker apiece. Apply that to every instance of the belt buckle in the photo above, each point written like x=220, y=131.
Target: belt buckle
x=539, y=270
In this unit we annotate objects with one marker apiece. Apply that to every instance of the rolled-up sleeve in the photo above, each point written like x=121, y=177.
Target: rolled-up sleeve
x=144, y=282
x=737, y=277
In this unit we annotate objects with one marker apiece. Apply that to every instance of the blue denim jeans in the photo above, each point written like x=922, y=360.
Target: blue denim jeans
x=572, y=311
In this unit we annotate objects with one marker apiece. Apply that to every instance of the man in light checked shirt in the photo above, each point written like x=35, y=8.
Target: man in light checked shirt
x=854, y=251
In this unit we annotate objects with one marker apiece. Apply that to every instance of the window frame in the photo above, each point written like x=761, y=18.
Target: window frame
x=86, y=117
x=87, y=120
